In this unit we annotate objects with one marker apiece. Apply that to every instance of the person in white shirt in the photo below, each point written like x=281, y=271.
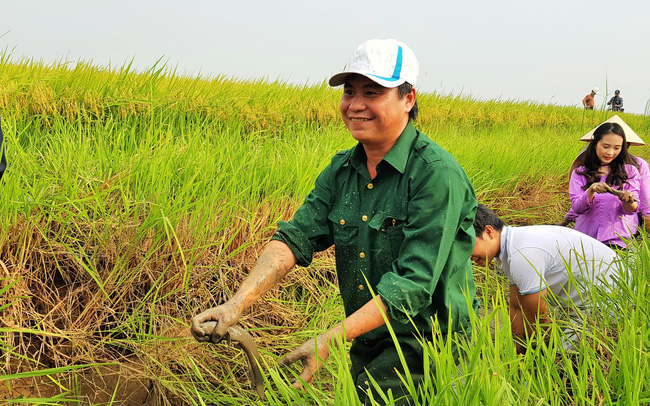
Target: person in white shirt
x=544, y=264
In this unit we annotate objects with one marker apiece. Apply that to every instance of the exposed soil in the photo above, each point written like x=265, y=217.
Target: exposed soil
x=122, y=384
x=126, y=383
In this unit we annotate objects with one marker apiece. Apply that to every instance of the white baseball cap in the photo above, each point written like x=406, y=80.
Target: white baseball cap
x=387, y=62
x=595, y=90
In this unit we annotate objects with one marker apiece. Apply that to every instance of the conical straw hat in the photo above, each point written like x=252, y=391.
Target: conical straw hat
x=630, y=135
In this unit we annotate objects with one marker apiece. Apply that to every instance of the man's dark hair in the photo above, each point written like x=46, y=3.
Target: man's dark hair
x=486, y=217
x=404, y=89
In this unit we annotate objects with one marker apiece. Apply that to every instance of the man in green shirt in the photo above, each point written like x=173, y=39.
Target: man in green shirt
x=399, y=210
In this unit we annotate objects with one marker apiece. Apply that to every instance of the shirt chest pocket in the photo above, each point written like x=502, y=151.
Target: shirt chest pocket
x=390, y=228
x=345, y=225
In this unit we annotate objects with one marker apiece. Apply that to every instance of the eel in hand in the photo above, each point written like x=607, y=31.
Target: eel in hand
x=245, y=342
x=613, y=191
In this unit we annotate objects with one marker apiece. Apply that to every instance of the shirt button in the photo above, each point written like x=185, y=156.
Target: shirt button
x=342, y=222
x=364, y=218
x=361, y=287
x=362, y=254
x=370, y=186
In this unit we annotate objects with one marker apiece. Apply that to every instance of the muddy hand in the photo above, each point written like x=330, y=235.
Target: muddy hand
x=311, y=360
x=623, y=195
x=240, y=338
x=599, y=187
x=226, y=315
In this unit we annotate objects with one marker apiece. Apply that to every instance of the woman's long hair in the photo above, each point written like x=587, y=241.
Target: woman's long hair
x=617, y=174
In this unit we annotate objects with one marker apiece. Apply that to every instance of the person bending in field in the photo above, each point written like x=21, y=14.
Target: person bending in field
x=588, y=101
x=644, y=173
x=399, y=210
x=545, y=264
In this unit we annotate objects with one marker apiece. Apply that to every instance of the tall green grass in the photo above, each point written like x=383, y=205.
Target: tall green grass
x=609, y=365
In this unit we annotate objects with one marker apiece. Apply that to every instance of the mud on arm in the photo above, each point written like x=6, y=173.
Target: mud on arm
x=274, y=263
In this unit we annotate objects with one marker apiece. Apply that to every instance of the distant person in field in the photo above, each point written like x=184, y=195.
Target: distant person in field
x=3, y=161
x=545, y=265
x=616, y=102
x=399, y=210
x=644, y=173
x=604, y=190
x=588, y=101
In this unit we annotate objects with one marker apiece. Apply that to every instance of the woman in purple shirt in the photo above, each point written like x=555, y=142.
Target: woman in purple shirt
x=642, y=165
x=608, y=166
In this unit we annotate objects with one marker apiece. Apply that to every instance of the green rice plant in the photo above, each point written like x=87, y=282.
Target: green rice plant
x=608, y=367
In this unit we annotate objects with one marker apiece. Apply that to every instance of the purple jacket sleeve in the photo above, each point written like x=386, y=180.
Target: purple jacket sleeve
x=579, y=197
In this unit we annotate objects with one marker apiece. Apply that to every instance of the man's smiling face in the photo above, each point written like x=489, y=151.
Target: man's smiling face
x=375, y=115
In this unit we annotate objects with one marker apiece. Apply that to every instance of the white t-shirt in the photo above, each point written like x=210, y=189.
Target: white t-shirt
x=535, y=258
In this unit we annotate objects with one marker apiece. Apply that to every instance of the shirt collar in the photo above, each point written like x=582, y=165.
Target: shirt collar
x=398, y=155
x=505, y=233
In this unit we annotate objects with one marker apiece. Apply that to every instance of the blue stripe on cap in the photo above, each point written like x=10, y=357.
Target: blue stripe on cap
x=398, y=68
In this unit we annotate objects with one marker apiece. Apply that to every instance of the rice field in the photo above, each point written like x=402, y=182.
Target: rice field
x=133, y=200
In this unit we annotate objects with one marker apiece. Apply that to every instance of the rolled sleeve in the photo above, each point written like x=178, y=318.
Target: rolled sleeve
x=402, y=297
x=309, y=232
x=297, y=241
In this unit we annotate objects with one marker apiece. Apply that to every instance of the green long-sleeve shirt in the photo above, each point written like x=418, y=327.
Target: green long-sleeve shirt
x=409, y=231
